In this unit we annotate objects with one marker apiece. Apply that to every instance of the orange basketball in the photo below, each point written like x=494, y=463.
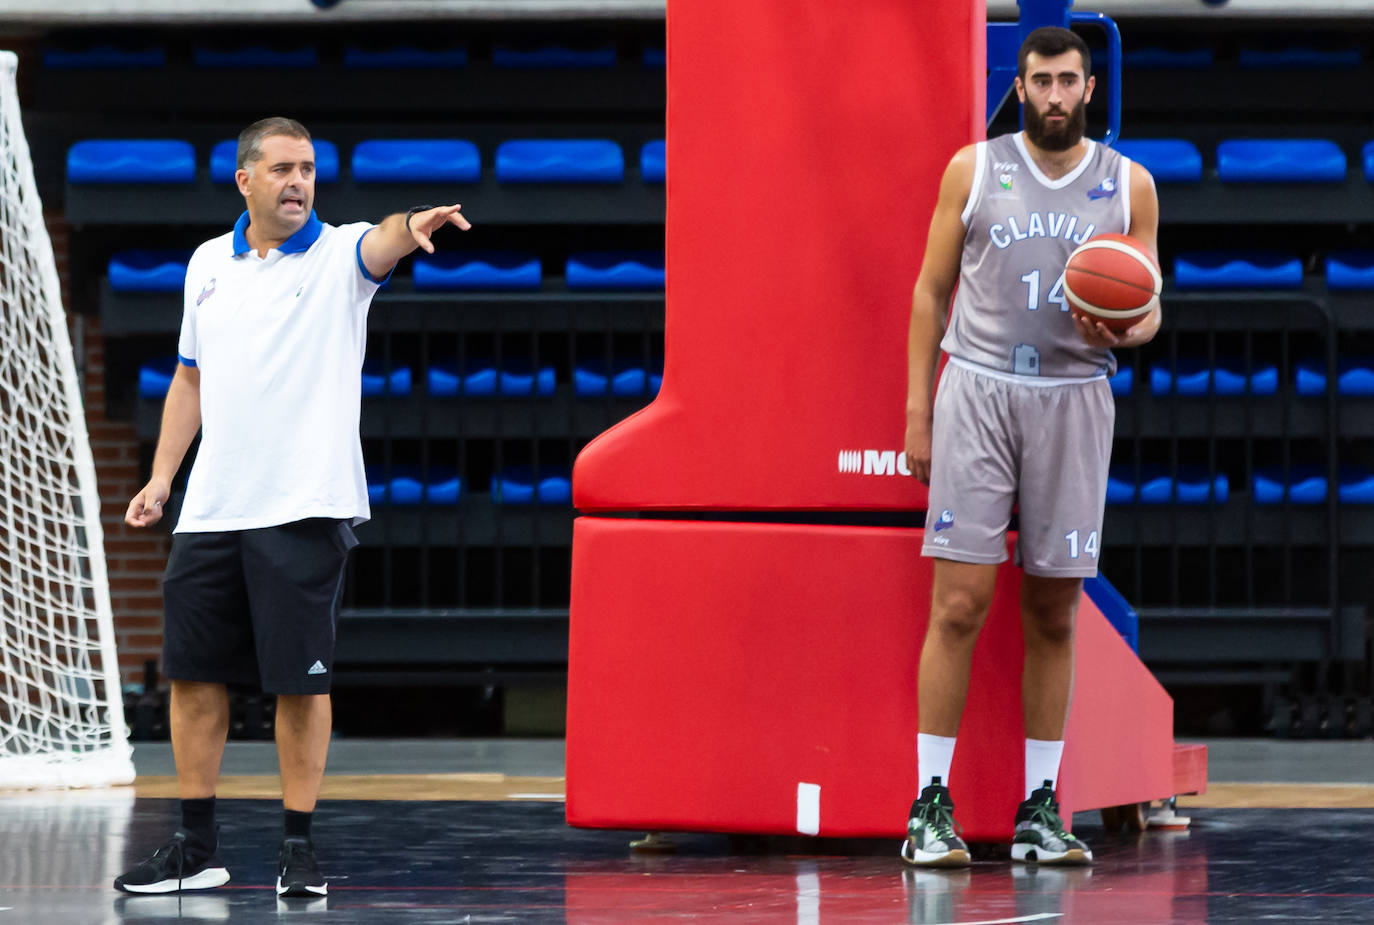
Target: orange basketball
x=1113, y=279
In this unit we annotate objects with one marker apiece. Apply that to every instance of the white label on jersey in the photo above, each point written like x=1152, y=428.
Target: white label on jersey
x=1025, y=360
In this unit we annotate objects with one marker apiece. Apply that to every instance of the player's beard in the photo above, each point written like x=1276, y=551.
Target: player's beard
x=1061, y=138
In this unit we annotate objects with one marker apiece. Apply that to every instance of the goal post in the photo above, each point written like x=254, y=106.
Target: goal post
x=61, y=716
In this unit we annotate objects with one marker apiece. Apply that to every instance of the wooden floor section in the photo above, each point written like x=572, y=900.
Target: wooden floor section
x=499, y=787
x=480, y=787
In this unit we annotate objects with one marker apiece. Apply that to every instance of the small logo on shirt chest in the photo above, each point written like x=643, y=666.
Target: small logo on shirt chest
x=206, y=291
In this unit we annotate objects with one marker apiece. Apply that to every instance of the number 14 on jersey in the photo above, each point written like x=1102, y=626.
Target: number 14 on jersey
x=1056, y=293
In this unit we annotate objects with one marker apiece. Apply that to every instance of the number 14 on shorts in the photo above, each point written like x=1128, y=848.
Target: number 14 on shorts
x=1089, y=545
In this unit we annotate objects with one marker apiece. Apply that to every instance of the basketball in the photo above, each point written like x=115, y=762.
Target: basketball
x=1113, y=279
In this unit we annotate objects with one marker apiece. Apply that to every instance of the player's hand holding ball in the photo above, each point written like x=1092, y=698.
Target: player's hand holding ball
x=1112, y=283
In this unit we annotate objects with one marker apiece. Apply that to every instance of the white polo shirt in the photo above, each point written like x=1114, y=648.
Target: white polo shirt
x=279, y=343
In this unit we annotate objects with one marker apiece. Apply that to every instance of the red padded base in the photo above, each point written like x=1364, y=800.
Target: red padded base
x=715, y=667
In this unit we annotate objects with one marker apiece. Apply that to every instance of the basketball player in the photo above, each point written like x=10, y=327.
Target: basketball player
x=1023, y=417
x=272, y=336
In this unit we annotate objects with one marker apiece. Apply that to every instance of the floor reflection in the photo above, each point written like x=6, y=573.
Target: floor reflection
x=501, y=862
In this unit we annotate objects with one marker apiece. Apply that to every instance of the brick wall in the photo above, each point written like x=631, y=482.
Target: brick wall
x=134, y=558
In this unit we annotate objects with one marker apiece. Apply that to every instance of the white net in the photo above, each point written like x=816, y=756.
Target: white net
x=61, y=722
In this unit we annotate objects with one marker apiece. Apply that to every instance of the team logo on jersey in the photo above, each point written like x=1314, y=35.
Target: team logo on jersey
x=205, y=293
x=1004, y=180
x=945, y=522
x=1104, y=190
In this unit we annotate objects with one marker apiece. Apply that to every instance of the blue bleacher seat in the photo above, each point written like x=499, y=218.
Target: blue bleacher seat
x=620, y=270
x=574, y=160
x=1350, y=270
x=1237, y=270
x=1194, y=377
x=155, y=377
x=255, y=57
x=404, y=57
x=378, y=380
x=552, y=56
x=131, y=160
x=653, y=162
x=624, y=378
x=452, y=272
x=224, y=161
x=1156, y=485
x=518, y=485
x=1169, y=160
x=1296, y=57
x=655, y=58
x=408, y=485
x=1159, y=58
x=1303, y=484
x=1280, y=160
x=1118, y=611
x=1355, y=376
x=416, y=161
x=483, y=378
x=1124, y=381
x=148, y=271
x=105, y=56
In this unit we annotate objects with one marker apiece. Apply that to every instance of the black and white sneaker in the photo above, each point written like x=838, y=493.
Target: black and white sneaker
x=930, y=837
x=183, y=863
x=1040, y=837
x=297, y=872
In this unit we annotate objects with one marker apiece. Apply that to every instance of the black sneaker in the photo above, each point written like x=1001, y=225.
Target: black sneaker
x=1040, y=836
x=930, y=837
x=181, y=864
x=297, y=872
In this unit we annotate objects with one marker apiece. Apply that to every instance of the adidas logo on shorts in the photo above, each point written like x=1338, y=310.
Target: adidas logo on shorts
x=317, y=668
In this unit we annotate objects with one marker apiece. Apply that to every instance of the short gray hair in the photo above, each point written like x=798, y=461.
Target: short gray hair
x=250, y=139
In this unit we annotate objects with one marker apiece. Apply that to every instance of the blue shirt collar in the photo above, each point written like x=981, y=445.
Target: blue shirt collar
x=300, y=241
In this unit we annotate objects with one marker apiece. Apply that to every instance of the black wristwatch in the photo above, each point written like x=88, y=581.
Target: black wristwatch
x=413, y=209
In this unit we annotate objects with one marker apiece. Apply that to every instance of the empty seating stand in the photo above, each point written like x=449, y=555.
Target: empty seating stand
x=624, y=270
x=521, y=485
x=134, y=160
x=1280, y=160
x=1224, y=376
x=458, y=272
x=486, y=378
x=416, y=160
x=1156, y=484
x=560, y=161
x=148, y=271
x=1169, y=160
x=1308, y=484
x=1237, y=270
x=406, y=485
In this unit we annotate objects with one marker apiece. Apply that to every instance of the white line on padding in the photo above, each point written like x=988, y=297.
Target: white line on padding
x=809, y=808
x=1037, y=917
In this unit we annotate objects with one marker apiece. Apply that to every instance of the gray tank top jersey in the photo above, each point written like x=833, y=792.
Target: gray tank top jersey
x=1010, y=313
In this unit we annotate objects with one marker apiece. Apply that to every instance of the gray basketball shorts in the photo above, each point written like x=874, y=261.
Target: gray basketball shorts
x=1043, y=448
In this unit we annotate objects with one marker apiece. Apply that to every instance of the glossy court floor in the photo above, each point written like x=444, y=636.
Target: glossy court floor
x=471, y=832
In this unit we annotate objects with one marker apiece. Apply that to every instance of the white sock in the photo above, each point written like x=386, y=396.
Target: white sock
x=934, y=755
x=1042, y=763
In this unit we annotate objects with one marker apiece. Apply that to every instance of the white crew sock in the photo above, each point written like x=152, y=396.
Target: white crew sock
x=1042, y=763
x=934, y=755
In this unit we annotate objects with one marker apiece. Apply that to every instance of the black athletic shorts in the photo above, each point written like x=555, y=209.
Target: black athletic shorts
x=256, y=607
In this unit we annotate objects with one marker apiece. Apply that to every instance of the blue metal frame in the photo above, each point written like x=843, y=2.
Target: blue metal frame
x=1004, y=40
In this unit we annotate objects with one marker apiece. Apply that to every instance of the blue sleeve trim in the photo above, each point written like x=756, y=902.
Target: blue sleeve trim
x=362, y=267
x=186, y=361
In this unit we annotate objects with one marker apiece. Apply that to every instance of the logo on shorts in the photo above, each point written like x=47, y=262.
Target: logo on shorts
x=1104, y=190
x=317, y=668
x=206, y=292
x=945, y=522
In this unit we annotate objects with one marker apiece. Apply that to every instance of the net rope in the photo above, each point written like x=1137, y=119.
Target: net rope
x=61, y=720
